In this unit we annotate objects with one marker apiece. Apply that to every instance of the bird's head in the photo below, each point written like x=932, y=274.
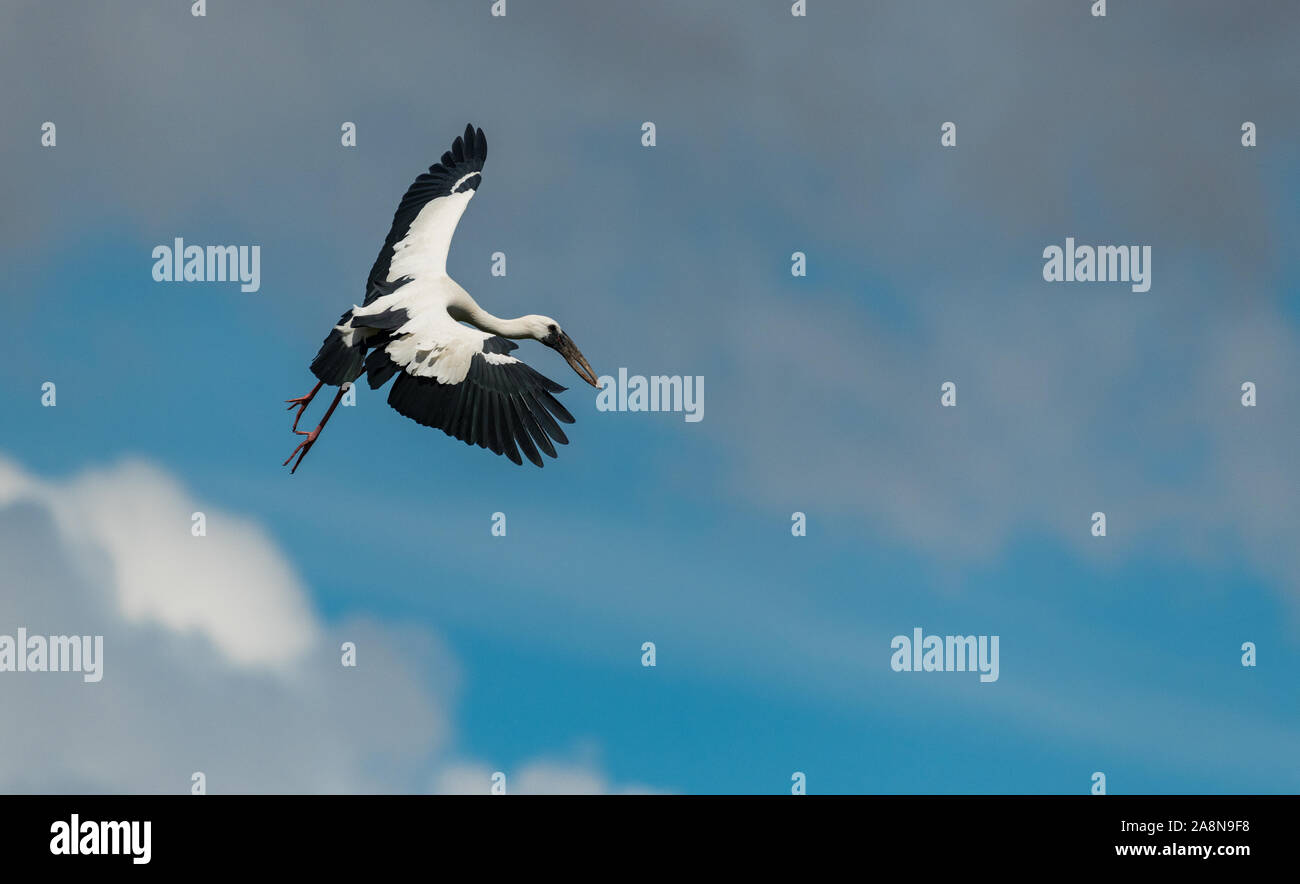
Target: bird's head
x=548, y=331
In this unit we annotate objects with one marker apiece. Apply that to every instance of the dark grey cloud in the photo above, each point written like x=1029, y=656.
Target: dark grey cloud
x=775, y=134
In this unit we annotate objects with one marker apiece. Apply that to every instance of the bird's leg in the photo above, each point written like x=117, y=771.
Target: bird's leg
x=301, y=404
x=305, y=445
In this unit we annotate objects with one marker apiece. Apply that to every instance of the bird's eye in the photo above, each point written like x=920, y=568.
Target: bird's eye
x=553, y=328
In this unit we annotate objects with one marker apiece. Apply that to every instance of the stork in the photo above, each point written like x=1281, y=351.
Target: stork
x=458, y=379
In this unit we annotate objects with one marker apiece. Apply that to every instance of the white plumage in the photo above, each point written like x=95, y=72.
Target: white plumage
x=459, y=379
x=430, y=343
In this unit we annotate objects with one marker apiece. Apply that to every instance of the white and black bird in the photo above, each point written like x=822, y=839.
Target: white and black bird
x=459, y=379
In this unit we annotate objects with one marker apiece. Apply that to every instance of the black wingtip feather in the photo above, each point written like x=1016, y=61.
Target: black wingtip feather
x=534, y=428
x=507, y=430
x=561, y=413
x=504, y=406
x=469, y=152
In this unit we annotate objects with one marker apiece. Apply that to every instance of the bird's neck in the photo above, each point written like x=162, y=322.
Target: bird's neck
x=506, y=328
x=471, y=312
x=463, y=308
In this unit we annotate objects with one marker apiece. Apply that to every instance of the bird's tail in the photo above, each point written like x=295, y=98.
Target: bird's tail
x=340, y=357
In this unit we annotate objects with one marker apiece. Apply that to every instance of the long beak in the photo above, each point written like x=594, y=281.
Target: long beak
x=569, y=350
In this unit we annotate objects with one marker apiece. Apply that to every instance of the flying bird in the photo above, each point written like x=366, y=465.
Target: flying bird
x=458, y=379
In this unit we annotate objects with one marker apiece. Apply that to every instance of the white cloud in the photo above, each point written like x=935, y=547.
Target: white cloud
x=214, y=659
x=232, y=586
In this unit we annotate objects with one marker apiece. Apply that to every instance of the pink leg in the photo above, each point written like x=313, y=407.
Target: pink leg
x=301, y=404
x=305, y=445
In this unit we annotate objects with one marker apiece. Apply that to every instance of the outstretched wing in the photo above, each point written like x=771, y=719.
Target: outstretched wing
x=463, y=381
x=426, y=218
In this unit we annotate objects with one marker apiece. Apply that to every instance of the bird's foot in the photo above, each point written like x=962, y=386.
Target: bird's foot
x=301, y=403
x=303, y=447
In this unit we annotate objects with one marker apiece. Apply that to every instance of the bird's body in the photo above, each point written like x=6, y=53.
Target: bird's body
x=459, y=379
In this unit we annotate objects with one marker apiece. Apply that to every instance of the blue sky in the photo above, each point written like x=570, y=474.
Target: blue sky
x=1119, y=654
